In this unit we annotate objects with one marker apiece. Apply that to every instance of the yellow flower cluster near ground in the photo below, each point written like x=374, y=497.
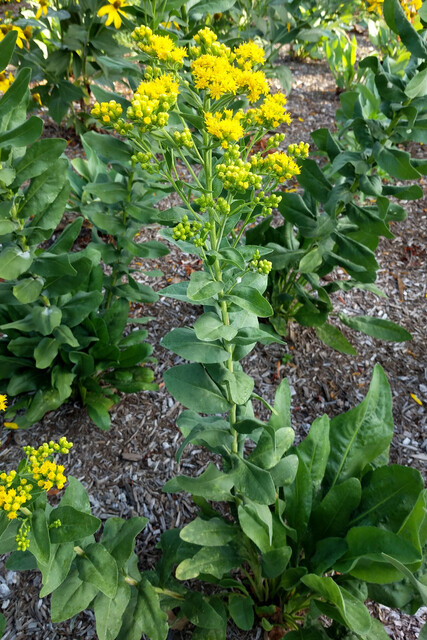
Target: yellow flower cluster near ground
x=40, y=468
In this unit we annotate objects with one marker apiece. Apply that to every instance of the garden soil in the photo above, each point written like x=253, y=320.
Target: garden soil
x=125, y=468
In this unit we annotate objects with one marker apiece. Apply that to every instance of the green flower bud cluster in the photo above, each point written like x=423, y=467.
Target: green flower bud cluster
x=222, y=207
x=235, y=174
x=195, y=231
x=151, y=72
x=144, y=160
x=205, y=202
x=22, y=539
x=299, y=150
x=274, y=141
x=262, y=266
x=122, y=127
x=142, y=112
x=55, y=524
x=268, y=203
x=184, y=138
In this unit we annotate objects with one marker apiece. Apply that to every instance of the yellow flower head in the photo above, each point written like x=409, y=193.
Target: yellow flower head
x=3, y=399
x=249, y=54
x=152, y=101
x=253, y=83
x=225, y=126
x=43, y=5
x=113, y=11
x=161, y=47
x=270, y=114
x=207, y=43
x=214, y=74
x=279, y=165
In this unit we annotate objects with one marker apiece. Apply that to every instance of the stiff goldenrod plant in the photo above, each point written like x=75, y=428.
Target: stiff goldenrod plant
x=300, y=527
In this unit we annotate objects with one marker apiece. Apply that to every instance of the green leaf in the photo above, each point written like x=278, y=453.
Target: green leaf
x=421, y=588
x=214, y=561
x=210, y=327
x=46, y=319
x=299, y=499
x=38, y=158
x=191, y=385
x=417, y=86
x=201, y=286
x=119, y=536
x=98, y=567
x=185, y=343
x=252, y=300
x=2, y=618
x=14, y=262
x=314, y=450
x=6, y=48
x=75, y=524
x=56, y=569
x=256, y=522
x=257, y=484
x=211, y=484
x=28, y=290
x=241, y=610
x=109, y=611
x=284, y=472
x=39, y=536
x=75, y=496
x=333, y=337
x=214, y=532
x=363, y=433
x=24, y=134
x=365, y=555
x=389, y=496
x=331, y=517
x=376, y=327
x=71, y=597
x=395, y=162
x=46, y=352
x=396, y=20
x=201, y=613
x=97, y=408
x=80, y=306
x=313, y=180
x=346, y=608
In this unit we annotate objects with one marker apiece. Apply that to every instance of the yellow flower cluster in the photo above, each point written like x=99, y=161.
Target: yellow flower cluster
x=218, y=77
x=225, y=126
x=13, y=498
x=3, y=403
x=278, y=164
x=107, y=112
x=270, y=114
x=152, y=101
x=44, y=470
x=207, y=43
x=248, y=54
x=161, y=47
x=299, y=150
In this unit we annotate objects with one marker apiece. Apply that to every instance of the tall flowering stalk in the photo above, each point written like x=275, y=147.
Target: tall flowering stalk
x=205, y=108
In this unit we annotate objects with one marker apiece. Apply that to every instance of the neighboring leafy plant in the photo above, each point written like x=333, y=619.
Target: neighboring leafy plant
x=117, y=197
x=70, y=48
x=340, y=52
x=77, y=571
x=59, y=338
x=346, y=206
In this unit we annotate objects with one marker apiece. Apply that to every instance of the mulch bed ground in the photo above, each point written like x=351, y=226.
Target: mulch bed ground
x=124, y=469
